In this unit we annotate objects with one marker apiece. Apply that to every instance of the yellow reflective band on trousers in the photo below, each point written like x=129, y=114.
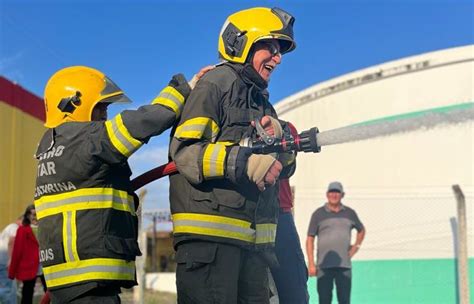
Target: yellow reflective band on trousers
x=171, y=98
x=120, y=137
x=70, y=236
x=213, y=161
x=197, y=128
x=213, y=225
x=86, y=270
x=84, y=199
x=266, y=233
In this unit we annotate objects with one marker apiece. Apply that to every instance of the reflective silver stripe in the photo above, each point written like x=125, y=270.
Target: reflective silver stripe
x=214, y=159
x=201, y=129
x=226, y=227
x=88, y=269
x=265, y=234
x=171, y=97
x=69, y=236
x=118, y=134
x=84, y=199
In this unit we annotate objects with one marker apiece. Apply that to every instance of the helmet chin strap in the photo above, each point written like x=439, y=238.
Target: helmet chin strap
x=250, y=55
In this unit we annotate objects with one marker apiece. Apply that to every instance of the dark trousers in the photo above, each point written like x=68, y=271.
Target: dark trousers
x=29, y=289
x=215, y=273
x=343, y=279
x=291, y=277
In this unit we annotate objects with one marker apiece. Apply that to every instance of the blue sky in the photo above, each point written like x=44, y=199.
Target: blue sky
x=140, y=44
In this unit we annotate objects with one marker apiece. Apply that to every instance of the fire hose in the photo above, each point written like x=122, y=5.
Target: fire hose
x=306, y=142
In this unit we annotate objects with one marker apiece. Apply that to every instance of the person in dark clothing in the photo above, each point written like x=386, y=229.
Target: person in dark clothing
x=224, y=201
x=291, y=276
x=84, y=199
x=332, y=224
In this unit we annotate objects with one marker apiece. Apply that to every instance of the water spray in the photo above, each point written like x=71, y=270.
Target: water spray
x=311, y=141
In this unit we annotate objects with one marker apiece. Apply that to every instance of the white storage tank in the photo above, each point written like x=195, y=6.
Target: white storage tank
x=399, y=183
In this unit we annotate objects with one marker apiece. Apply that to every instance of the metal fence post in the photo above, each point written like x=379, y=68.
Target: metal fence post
x=463, y=258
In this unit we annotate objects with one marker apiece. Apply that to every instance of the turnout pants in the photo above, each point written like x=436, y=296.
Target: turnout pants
x=343, y=279
x=218, y=273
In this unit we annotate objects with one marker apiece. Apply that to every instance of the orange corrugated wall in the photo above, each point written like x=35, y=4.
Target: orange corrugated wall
x=21, y=126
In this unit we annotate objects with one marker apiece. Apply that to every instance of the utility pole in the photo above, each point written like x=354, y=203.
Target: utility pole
x=139, y=291
x=463, y=262
x=158, y=216
x=153, y=245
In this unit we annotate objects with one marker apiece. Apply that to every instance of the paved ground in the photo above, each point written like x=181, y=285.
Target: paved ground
x=151, y=297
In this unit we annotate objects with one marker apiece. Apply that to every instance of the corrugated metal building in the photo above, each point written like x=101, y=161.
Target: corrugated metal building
x=21, y=123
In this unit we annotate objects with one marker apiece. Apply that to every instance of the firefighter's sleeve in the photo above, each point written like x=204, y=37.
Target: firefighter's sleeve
x=130, y=129
x=194, y=146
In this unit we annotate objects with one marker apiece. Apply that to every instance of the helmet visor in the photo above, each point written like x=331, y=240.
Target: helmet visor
x=112, y=93
x=119, y=98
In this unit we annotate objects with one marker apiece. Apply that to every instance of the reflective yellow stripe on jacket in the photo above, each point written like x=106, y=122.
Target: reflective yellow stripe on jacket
x=213, y=225
x=220, y=226
x=70, y=236
x=171, y=98
x=213, y=161
x=121, y=139
x=266, y=233
x=84, y=199
x=197, y=128
x=91, y=269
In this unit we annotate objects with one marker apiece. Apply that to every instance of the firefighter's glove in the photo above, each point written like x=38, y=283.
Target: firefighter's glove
x=179, y=82
x=263, y=170
x=272, y=126
x=198, y=76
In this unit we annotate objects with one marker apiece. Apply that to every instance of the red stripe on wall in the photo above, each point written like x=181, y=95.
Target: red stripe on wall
x=17, y=97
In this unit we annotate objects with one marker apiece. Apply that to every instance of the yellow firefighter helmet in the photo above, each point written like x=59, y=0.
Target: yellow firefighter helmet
x=72, y=93
x=242, y=29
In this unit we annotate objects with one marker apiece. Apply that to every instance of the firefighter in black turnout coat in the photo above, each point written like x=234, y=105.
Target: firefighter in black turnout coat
x=84, y=201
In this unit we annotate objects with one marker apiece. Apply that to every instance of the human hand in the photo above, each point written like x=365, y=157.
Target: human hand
x=271, y=126
x=353, y=250
x=263, y=170
x=196, y=77
x=312, y=270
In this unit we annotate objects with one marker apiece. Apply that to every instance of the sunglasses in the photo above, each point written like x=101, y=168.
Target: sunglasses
x=272, y=48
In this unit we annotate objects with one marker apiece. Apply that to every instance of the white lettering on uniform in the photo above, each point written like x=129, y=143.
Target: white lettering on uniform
x=46, y=255
x=54, y=187
x=59, y=151
x=48, y=168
